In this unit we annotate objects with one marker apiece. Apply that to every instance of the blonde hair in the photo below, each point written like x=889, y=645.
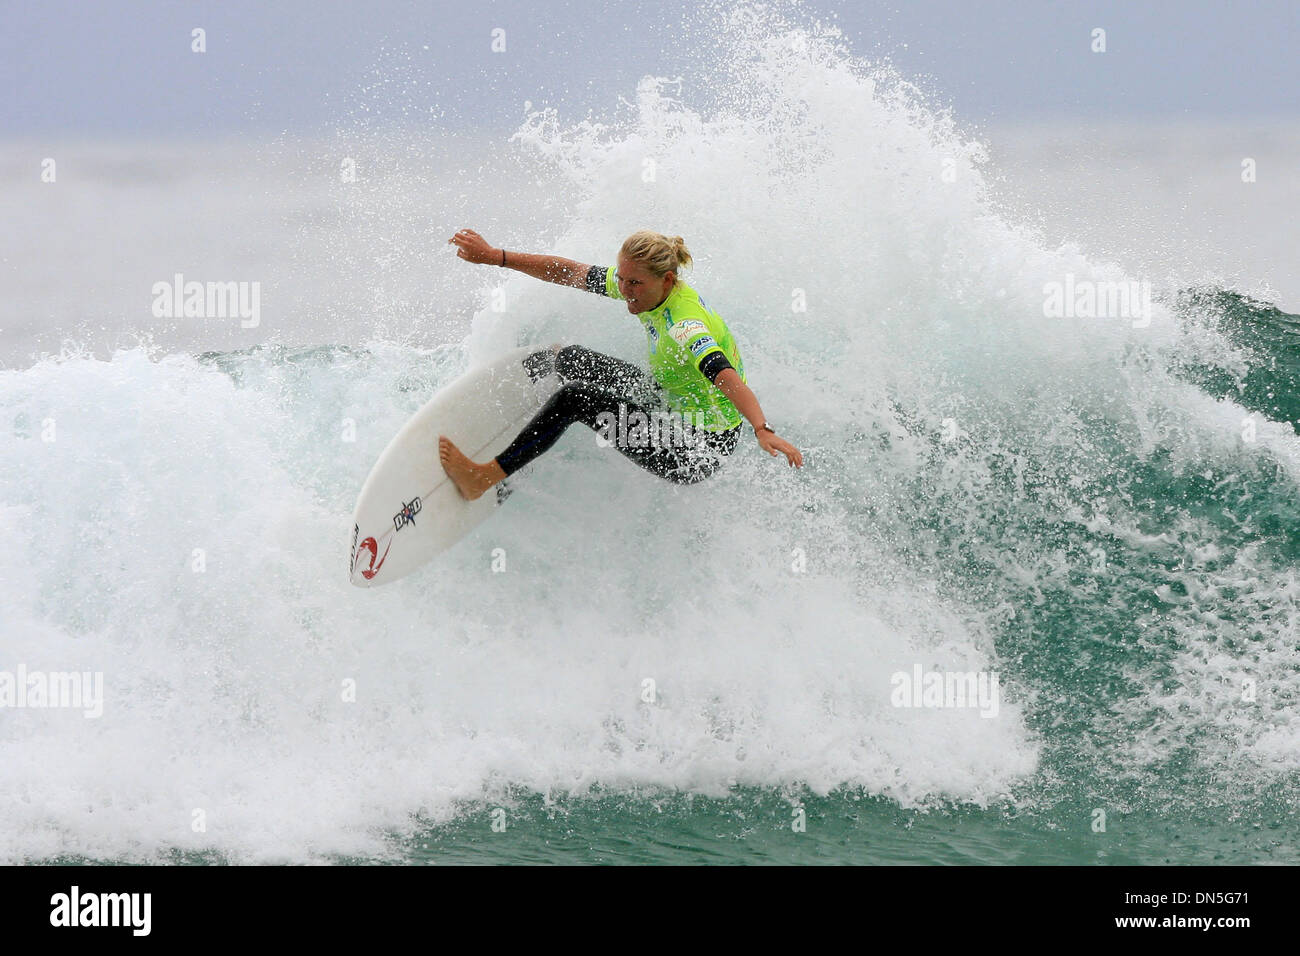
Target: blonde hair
x=656, y=252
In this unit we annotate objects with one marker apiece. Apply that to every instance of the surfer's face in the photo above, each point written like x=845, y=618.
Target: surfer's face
x=642, y=289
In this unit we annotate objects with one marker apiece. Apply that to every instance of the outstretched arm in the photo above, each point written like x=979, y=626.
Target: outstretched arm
x=472, y=247
x=746, y=403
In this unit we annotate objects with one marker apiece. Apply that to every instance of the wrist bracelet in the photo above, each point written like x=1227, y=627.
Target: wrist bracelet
x=503, y=258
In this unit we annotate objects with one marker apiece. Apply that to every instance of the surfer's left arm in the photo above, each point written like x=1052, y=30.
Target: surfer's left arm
x=728, y=381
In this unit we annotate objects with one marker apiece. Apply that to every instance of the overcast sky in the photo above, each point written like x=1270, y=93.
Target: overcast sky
x=125, y=68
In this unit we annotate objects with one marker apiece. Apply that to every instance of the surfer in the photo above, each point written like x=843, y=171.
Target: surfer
x=698, y=375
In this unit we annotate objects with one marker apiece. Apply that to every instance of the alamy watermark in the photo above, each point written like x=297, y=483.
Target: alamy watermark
x=1098, y=299
x=179, y=299
x=635, y=428
x=948, y=689
x=65, y=689
x=129, y=910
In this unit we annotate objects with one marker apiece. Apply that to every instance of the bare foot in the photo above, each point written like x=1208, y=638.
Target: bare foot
x=471, y=480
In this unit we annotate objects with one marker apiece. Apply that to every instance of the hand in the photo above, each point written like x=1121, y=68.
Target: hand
x=472, y=247
x=772, y=443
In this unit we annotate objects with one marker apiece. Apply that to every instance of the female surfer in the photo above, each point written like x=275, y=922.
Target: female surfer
x=696, y=366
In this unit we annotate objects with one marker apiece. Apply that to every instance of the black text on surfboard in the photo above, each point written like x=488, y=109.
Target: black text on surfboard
x=407, y=515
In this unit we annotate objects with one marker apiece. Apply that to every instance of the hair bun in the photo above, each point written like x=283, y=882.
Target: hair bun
x=658, y=252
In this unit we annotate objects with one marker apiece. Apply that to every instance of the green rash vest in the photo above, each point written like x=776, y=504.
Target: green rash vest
x=683, y=333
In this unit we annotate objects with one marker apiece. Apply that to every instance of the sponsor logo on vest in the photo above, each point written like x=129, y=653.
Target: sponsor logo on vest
x=682, y=331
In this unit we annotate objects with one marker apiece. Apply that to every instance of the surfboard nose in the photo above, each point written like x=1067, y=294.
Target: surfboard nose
x=408, y=509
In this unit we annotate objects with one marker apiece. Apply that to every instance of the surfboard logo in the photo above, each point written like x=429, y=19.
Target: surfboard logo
x=371, y=545
x=407, y=515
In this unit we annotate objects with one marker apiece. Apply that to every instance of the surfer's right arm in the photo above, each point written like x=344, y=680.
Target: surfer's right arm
x=472, y=247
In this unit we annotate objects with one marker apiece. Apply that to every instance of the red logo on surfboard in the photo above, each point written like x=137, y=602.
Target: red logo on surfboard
x=371, y=545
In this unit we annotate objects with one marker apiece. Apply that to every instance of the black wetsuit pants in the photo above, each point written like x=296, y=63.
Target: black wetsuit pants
x=624, y=406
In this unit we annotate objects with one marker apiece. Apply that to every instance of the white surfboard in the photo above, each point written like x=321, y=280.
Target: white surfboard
x=408, y=509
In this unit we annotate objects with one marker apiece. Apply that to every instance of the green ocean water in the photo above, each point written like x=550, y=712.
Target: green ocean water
x=759, y=828
x=762, y=828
